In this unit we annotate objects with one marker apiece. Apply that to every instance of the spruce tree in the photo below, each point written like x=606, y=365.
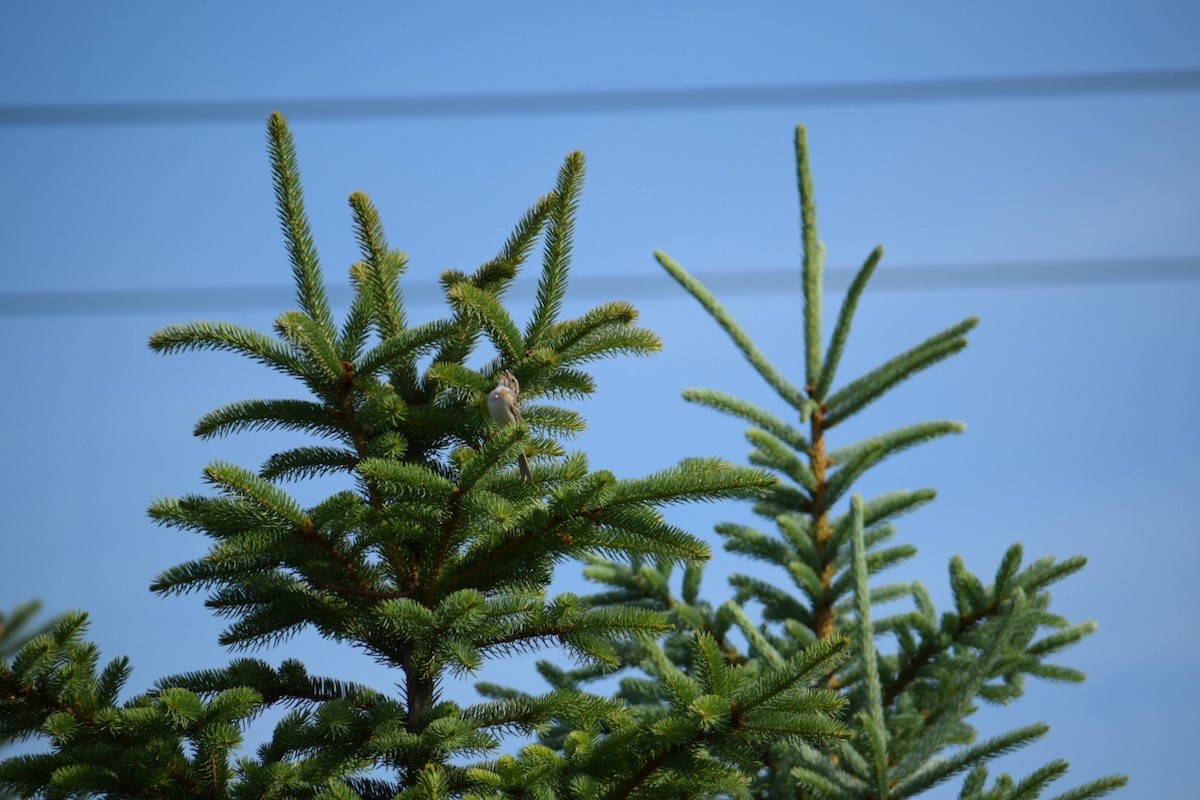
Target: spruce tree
x=915, y=677
x=434, y=560
x=16, y=630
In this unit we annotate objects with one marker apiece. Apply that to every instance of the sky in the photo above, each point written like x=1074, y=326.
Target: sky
x=1077, y=390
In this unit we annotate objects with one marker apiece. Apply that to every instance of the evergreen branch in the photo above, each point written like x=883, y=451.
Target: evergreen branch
x=710, y=666
x=307, y=462
x=887, y=593
x=783, y=500
x=1030, y=787
x=560, y=229
x=1007, y=571
x=972, y=788
x=1097, y=788
x=625, y=530
x=634, y=583
x=406, y=480
x=925, y=616
x=819, y=785
x=774, y=454
x=501, y=449
x=962, y=687
x=939, y=770
x=1056, y=642
x=290, y=683
x=463, y=332
x=233, y=338
x=740, y=408
x=842, y=329
x=843, y=556
x=876, y=562
x=615, y=315
x=401, y=350
x=930, y=648
x=456, y=376
x=842, y=776
x=978, y=606
x=780, y=384
x=220, y=518
x=754, y=543
x=778, y=605
x=884, y=507
x=384, y=267
x=527, y=713
x=53, y=690
x=509, y=560
x=485, y=308
x=851, y=771
x=845, y=475
x=242, y=483
x=568, y=384
x=968, y=591
x=809, y=718
x=681, y=689
x=798, y=672
x=895, y=441
x=692, y=574
x=630, y=787
x=853, y=397
x=814, y=261
x=272, y=607
x=561, y=421
x=584, y=630
x=1046, y=571
x=704, y=479
x=494, y=276
x=603, y=344
x=877, y=730
x=14, y=632
x=310, y=289
x=797, y=529
x=756, y=638
x=251, y=415
x=497, y=273
x=358, y=318
x=375, y=416
x=875, y=742
x=306, y=334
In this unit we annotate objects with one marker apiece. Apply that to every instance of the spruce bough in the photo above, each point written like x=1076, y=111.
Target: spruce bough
x=437, y=559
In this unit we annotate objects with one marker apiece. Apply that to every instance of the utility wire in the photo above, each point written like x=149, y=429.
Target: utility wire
x=648, y=284
x=605, y=101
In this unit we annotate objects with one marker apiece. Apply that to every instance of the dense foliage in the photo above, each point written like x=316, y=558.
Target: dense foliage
x=438, y=557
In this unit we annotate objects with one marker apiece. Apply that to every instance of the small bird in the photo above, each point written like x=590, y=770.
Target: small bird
x=502, y=402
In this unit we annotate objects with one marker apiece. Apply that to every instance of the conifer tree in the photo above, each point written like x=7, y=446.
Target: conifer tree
x=915, y=677
x=434, y=560
x=16, y=630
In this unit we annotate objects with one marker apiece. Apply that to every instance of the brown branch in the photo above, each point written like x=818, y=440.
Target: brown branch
x=630, y=784
x=823, y=613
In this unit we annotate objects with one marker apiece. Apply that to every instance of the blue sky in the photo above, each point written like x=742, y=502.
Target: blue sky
x=1078, y=396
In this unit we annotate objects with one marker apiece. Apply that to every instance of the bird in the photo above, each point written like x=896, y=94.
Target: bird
x=502, y=403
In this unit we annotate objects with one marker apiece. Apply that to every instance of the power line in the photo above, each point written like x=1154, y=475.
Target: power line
x=647, y=284
x=938, y=90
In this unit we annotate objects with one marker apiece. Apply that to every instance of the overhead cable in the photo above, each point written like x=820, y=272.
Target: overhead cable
x=930, y=90
x=645, y=285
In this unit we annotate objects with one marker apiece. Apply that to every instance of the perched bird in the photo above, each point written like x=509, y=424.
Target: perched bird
x=502, y=402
